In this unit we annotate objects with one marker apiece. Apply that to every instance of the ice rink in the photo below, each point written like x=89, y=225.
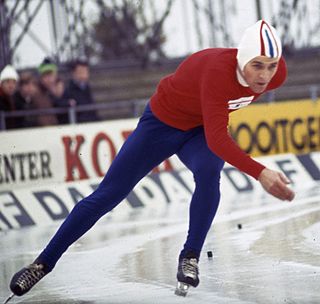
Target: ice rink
x=273, y=258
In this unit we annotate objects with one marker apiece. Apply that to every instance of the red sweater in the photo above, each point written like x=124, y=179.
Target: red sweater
x=203, y=91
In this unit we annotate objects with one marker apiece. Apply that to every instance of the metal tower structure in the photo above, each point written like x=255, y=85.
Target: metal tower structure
x=66, y=21
x=11, y=13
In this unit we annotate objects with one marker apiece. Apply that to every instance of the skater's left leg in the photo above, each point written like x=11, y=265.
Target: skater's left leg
x=206, y=168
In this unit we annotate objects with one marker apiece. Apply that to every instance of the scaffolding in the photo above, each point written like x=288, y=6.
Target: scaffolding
x=68, y=23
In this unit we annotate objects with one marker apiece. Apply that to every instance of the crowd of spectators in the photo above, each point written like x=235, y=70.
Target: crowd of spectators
x=44, y=91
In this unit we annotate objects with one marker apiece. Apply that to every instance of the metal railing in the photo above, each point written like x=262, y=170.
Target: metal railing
x=132, y=108
x=293, y=92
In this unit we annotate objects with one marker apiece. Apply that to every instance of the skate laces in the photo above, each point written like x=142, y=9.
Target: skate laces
x=190, y=267
x=32, y=274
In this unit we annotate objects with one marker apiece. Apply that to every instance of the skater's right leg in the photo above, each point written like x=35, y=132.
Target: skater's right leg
x=148, y=146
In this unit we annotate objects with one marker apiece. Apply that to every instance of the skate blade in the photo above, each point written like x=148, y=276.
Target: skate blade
x=182, y=289
x=7, y=300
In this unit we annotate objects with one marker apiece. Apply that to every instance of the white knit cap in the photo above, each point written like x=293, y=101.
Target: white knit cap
x=260, y=39
x=9, y=73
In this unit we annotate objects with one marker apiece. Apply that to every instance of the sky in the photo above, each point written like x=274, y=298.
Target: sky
x=180, y=27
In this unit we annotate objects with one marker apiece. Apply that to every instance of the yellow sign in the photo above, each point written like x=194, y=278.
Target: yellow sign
x=280, y=127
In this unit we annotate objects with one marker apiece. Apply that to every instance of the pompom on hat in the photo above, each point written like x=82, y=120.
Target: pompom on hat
x=47, y=66
x=9, y=73
x=260, y=39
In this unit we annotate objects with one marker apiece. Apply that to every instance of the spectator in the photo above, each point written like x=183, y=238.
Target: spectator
x=60, y=101
x=24, y=99
x=78, y=91
x=58, y=90
x=45, y=99
x=8, y=85
x=48, y=72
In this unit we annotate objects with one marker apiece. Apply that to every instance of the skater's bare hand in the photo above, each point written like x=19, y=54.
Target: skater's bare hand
x=275, y=183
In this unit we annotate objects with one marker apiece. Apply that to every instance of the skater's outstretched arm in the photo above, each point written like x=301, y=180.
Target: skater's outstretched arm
x=276, y=183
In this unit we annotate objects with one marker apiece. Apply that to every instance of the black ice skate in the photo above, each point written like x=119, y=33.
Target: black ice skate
x=26, y=278
x=188, y=272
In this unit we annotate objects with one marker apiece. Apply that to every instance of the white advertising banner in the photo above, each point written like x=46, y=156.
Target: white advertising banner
x=45, y=172
x=59, y=154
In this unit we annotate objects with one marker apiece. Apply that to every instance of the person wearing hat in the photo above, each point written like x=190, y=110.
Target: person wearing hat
x=187, y=116
x=48, y=74
x=24, y=98
x=8, y=84
x=45, y=99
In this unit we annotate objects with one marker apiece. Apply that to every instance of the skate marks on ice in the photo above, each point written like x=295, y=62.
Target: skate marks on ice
x=98, y=275
x=50, y=301
x=274, y=258
x=94, y=270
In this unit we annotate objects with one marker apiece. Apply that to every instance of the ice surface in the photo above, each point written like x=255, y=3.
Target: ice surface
x=274, y=258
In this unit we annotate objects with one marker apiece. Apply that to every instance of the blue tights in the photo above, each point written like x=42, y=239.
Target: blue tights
x=150, y=143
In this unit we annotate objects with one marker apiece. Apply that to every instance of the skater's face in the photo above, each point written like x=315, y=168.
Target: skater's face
x=259, y=71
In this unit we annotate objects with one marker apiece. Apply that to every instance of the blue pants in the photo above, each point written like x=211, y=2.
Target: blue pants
x=149, y=144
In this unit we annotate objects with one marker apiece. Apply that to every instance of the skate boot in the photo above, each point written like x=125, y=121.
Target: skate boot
x=188, y=272
x=27, y=277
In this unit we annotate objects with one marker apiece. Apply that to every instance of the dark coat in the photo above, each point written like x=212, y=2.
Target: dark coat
x=82, y=96
x=7, y=105
x=44, y=100
x=22, y=103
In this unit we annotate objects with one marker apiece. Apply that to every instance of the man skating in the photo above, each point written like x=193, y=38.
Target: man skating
x=187, y=116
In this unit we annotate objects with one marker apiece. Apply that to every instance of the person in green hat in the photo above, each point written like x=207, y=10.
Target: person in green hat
x=45, y=99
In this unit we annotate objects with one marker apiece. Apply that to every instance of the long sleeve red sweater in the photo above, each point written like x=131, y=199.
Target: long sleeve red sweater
x=203, y=91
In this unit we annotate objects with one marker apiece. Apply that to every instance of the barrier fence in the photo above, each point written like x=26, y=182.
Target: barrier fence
x=45, y=171
x=133, y=108
x=83, y=151
x=46, y=204
x=110, y=110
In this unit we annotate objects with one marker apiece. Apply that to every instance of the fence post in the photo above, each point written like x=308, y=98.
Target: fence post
x=271, y=96
x=2, y=121
x=72, y=115
x=313, y=92
x=135, y=108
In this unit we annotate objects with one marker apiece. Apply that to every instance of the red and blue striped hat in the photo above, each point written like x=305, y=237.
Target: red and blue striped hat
x=260, y=39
